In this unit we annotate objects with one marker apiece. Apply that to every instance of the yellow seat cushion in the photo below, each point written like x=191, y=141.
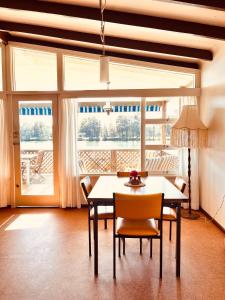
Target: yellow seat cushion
x=136, y=227
x=169, y=214
x=104, y=212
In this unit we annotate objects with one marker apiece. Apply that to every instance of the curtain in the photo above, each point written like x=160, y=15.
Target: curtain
x=69, y=183
x=5, y=179
x=183, y=163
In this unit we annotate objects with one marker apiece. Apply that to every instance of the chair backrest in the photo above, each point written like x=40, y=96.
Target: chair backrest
x=138, y=207
x=86, y=186
x=127, y=174
x=180, y=184
x=39, y=160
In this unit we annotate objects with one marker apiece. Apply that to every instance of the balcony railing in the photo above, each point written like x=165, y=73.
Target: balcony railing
x=111, y=161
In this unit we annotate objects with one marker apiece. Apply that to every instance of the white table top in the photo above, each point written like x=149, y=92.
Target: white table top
x=107, y=185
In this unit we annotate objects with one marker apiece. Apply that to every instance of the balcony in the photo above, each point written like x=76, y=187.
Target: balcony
x=111, y=161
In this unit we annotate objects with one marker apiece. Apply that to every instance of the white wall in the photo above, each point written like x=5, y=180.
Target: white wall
x=212, y=159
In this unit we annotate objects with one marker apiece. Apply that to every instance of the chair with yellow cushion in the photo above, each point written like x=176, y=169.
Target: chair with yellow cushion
x=127, y=174
x=104, y=212
x=134, y=217
x=169, y=213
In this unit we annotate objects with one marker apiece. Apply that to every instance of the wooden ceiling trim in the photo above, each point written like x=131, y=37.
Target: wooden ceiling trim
x=211, y=4
x=109, y=53
x=205, y=30
x=110, y=41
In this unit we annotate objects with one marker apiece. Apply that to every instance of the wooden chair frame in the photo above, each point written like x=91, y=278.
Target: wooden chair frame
x=181, y=188
x=119, y=236
x=90, y=206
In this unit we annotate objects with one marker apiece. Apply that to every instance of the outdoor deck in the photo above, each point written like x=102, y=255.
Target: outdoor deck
x=98, y=162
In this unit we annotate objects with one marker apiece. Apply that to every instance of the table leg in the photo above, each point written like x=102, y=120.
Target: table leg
x=178, y=241
x=96, y=239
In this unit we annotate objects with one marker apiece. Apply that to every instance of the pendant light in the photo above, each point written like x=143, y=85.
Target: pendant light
x=104, y=59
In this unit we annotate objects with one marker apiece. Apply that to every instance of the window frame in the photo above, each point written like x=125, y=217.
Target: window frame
x=81, y=94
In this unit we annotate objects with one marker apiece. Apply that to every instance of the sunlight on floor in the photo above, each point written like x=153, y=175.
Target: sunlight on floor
x=28, y=221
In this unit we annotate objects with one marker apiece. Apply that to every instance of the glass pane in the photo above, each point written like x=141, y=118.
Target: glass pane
x=163, y=161
x=157, y=134
x=153, y=109
x=109, y=143
x=173, y=107
x=83, y=74
x=36, y=147
x=34, y=70
x=153, y=135
x=129, y=77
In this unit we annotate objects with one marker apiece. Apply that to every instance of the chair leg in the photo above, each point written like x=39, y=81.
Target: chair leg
x=160, y=271
x=151, y=248
x=89, y=233
x=123, y=246
x=105, y=221
x=119, y=246
x=141, y=246
x=161, y=248
x=114, y=256
x=170, y=230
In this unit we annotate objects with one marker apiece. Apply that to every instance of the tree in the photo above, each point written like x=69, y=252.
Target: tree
x=90, y=128
x=122, y=127
x=135, y=131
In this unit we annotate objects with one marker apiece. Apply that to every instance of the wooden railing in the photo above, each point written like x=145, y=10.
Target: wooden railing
x=47, y=163
x=111, y=161
x=108, y=161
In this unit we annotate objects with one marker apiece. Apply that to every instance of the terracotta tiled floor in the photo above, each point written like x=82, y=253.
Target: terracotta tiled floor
x=44, y=255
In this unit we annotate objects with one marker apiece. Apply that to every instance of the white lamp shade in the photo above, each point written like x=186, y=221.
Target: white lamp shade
x=189, y=131
x=104, y=69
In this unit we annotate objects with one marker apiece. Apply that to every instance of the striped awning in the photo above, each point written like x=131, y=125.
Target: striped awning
x=117, y=108
x=47, y=111
x=35, y=111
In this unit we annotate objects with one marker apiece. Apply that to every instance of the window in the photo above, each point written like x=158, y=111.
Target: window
x=109, y=143
x=83, y=74
x=161, y=113
x=34, y=70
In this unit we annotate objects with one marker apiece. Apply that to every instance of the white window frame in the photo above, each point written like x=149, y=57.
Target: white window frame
x=61, y=93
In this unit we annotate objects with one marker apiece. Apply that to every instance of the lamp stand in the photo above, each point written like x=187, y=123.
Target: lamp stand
x=189, y=214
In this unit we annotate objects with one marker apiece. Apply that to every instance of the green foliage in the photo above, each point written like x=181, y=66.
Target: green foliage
x=90, y=128
x=38, y=131
x=124, y=128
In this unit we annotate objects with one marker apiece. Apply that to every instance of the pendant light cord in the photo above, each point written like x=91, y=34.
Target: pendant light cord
x=102, y=5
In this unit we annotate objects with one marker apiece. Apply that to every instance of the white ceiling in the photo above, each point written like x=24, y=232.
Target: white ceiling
x=147, y=7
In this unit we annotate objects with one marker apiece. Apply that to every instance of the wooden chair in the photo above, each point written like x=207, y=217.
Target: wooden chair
x=127, y=174
x=169, y=213
x=134, y=217
x=104, y=212
x=35, y=167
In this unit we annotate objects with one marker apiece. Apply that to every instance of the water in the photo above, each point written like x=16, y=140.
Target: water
x=83, y=145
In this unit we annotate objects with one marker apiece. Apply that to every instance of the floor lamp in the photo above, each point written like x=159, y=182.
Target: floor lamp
x=189, y=132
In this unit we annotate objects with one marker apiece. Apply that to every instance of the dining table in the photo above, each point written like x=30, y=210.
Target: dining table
x=102, y=195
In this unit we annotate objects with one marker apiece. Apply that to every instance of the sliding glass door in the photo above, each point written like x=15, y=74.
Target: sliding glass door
x=35, y=150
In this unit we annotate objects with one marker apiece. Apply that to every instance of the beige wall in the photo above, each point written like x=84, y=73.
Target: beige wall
x=212, y=159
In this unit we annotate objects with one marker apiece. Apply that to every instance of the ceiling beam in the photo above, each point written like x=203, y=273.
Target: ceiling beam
x=110, y=41
x=4, y=36
x=205, y=30
x=211, y=4
x=109, y=53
